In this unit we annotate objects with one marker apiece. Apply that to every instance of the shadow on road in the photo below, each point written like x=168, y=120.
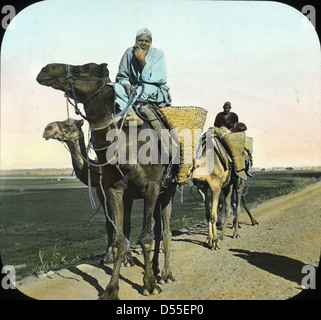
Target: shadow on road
x=287, y=268
x=284, y=267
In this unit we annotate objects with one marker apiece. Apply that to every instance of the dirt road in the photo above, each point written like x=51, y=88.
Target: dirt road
x=265, y=263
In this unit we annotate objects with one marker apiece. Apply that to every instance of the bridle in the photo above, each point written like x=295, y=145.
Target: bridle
x=70, y=90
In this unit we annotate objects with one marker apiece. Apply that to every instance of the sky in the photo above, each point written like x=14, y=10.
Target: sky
x=263, y=57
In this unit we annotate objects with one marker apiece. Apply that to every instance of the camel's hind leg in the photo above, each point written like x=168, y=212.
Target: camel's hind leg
x=244, y=203
x=238, y=189
x=227, y=197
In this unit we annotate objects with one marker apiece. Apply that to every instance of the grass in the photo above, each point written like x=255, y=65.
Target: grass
x=47, y=229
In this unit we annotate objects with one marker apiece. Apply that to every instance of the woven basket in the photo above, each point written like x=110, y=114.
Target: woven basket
x=180, y=118
x=249, y=144
x=236, y=143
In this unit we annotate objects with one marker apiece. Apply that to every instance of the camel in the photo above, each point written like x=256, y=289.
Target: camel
x=222, y=215
x=211, y=185
x=70, y=131
x=90, y=85
x=216, y=187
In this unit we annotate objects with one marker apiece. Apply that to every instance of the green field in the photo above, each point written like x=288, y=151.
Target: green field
x=45, y=222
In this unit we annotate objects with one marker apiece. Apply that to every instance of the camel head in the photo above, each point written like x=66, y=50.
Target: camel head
x=85, y=79
x=67, y=131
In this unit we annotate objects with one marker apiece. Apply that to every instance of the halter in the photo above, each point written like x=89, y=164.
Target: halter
x=70, y=79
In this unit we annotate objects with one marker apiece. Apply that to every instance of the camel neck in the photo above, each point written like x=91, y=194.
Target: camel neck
x=77, y=150
x=99, y=108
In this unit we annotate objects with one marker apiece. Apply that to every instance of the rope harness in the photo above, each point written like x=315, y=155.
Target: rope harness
x=71, y=94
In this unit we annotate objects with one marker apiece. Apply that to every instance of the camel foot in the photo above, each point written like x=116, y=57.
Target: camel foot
x=167, y=277
x=150, y=287
x=107, y=259
x=236, y=236
x=128, y=261
x=254, y=223
x=110, y=294
x=213, y=244
x=155, y=290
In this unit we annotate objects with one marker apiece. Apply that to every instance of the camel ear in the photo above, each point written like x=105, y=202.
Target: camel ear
x=103, y=70
x=79, y=123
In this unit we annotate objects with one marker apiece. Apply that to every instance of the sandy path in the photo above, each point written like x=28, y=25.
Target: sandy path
x=265, y=263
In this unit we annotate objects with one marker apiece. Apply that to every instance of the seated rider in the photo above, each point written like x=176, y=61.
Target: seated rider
x=142, y=75
x=226, y=118
x=225, y=124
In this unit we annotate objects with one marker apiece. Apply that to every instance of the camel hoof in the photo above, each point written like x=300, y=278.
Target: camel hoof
x=151, y=288
x=155, y=291
x=108, y=296
x=168, y=278
x=107, y=259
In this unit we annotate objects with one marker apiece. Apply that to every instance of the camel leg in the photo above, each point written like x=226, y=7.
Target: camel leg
x=158, y=238
x=166, y=209
x=211, y=202
x=109, y=255
x=244, y=203
x=238, y=189
x=115, y=200
x=108, y=258
x=227, y=197
x=128, y=204
x=220, y=212
x=146, y=239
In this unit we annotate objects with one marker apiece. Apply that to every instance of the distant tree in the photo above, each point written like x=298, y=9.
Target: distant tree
x=289, y=168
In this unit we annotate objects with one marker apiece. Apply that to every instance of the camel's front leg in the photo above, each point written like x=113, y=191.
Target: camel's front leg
x=128, y=204
x=146, y=239
x=166, y=209
x=211, y=204
x=115, y=201
x=108, y=257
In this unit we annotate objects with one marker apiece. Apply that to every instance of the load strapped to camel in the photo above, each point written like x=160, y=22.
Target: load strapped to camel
x=181, y=118
x=240, y=148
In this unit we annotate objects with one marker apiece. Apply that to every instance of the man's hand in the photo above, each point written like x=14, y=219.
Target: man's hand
x=129, y=90
x=140, y=55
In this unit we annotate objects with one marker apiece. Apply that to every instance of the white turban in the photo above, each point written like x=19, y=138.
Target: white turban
x=144, y=31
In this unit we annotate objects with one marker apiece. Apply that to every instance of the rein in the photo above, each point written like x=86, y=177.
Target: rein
x=70, y=79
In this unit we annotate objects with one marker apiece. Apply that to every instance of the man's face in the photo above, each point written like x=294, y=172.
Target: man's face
x=144, y=42
x=227, y=109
